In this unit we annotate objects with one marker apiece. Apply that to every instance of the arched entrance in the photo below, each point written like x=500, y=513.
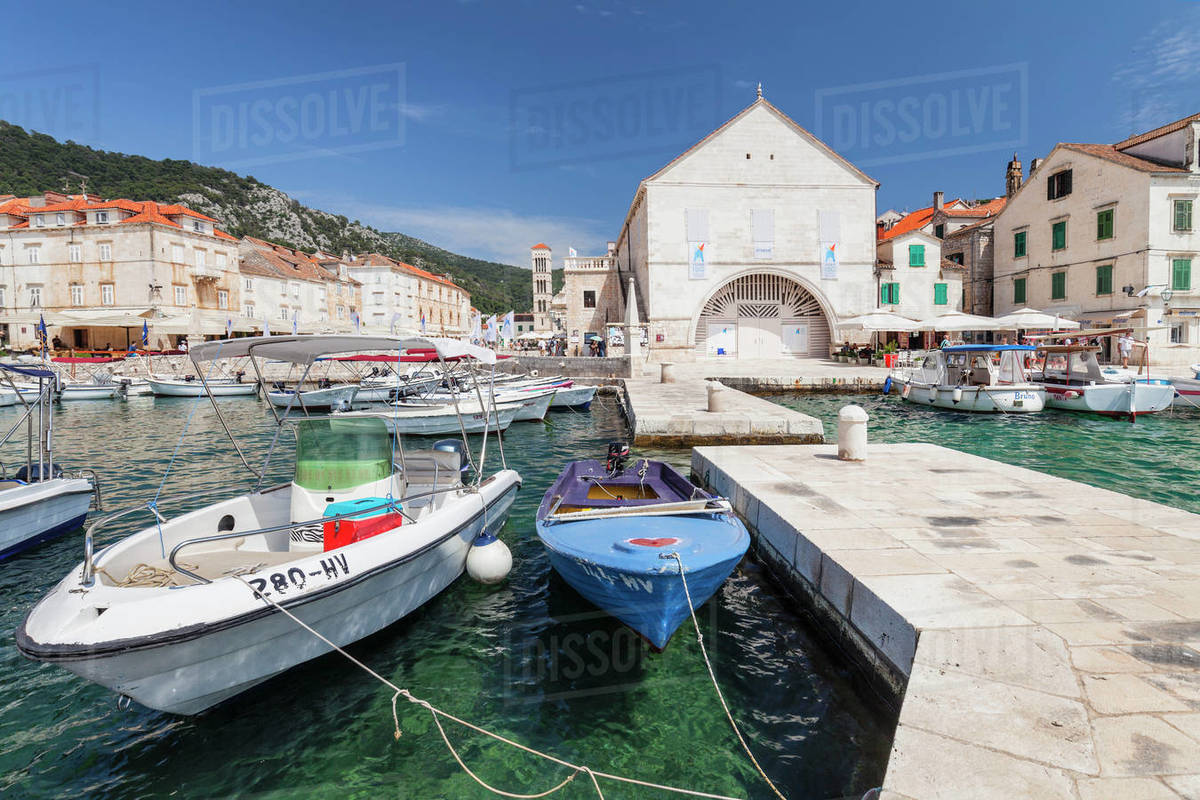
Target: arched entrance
x=762, y=315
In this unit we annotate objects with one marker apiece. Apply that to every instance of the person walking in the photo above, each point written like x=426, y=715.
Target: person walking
x=1125, y=348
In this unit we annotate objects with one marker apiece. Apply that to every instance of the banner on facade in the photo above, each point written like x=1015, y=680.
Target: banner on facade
x=829, y=261
x=698, y=260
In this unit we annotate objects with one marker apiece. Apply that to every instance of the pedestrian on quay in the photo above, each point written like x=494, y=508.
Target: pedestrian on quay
x=1125, y=348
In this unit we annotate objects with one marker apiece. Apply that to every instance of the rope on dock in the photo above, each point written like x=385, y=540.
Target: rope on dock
x=720, y=696
x=435, y=712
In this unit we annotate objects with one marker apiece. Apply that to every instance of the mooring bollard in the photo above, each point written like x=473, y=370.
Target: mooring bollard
x=852, y=434
x=668, y=373
x=717, y=396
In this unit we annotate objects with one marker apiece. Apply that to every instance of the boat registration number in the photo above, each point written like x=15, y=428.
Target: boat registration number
x=296, y=579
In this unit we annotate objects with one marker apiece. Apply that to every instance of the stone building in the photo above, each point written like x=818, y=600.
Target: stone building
x=543, y=292
x=1106, y=235
x=592, y=298
x=913, y=278
x=752, y=243
x=289, y=290
x=83, y=263
x=402, y=298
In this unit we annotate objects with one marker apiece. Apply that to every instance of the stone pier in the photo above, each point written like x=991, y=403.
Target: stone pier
x=1041, y=636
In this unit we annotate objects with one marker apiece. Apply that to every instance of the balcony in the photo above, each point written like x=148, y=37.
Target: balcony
x=589, y=264
x=206, y=272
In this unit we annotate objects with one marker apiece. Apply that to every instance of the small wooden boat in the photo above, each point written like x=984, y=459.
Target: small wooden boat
x=611, y=531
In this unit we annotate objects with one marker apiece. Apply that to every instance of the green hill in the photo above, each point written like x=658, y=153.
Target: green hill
x=31, y=163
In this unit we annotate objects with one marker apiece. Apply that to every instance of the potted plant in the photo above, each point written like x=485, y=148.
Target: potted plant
x=864, y=356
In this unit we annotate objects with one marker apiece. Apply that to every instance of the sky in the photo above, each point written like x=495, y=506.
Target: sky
x=484, y=127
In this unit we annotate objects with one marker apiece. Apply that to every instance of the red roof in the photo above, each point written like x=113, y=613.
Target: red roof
x=922, y=216
x=1170, y=127
x=1110, y=153
x=540, y=246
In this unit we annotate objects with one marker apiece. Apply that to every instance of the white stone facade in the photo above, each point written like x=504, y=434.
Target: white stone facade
x=914, y=280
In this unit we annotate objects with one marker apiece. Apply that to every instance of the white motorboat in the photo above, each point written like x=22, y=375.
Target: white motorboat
x=974, y=377
x=40, y=501
x=183, y=632
x=532, y=406
x=442, y=420
x=337, y=396
x=574, y=397
x=89, y=391
x=183, y=387
x=1075, y=381
x=134, y=386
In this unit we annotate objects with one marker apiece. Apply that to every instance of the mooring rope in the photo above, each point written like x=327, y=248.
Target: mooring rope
x=720, y=695
x=437, y=712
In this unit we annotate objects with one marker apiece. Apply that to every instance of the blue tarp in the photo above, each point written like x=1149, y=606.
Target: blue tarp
x=32, y=372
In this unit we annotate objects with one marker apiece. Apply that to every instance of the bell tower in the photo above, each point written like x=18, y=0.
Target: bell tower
x=1012, y=178
x=543, y=294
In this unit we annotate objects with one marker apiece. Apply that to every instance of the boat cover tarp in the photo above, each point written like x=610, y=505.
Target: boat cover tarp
x=31, y=372
x=307, y=349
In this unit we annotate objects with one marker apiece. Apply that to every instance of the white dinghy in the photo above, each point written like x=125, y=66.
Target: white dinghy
x=182, y=615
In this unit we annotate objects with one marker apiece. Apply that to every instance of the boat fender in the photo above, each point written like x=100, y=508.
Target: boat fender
x=1070, y=395
x=956, y=395
x=887, y=384
x=904, y=391
x=488, y=560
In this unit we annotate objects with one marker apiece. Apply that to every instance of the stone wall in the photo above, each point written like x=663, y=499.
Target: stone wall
x=612, y=367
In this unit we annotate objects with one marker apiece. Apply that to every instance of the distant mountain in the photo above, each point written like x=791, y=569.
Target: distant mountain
x=31, y=163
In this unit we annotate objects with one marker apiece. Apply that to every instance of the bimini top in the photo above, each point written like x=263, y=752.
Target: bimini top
x=29, y=372
x=988, y=348
x=307, y=349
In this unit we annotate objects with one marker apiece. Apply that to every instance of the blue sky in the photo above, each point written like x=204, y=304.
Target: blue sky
x=487, y=126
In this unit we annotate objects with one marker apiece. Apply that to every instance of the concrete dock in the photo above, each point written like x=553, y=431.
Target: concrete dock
x=1044, y=635
x=676, y=415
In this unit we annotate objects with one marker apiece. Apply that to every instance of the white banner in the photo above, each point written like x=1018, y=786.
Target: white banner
x=829, y=261
x=698, y=255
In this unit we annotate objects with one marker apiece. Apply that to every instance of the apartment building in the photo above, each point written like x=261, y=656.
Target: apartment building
x=402, y=298
x=286, y=290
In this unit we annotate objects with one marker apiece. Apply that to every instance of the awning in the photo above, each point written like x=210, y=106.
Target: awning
x=103, y=317
x=306, y=349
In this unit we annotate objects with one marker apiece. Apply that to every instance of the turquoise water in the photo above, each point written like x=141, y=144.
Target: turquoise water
x=529, y=659
x=1154, y=458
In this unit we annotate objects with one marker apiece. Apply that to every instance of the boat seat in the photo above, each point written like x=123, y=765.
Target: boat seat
x=432, y=467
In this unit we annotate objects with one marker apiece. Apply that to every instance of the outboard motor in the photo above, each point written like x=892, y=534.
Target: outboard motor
x=454, y=446
x=618, y=454
x=32, y=473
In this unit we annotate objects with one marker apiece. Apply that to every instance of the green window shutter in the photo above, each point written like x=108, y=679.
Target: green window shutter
x=1104, y=279
x=1058, y=286
x=1183, y=215
x=885, y=294
x=916, y=255
x=1181, y=274
x=1058, y=236
x=896, y=292
x=1104, y=224
x=1019, y=244
x=939, y=231
x=1019, y=291
x=939, y=294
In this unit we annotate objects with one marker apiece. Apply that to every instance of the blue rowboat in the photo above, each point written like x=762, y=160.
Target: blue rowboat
x=611, y=530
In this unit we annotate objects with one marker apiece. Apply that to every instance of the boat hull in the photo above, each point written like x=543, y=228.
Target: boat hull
x=187, y=669
x=333, y=397
x=40, y=511
x=85, y=392
x=446, y=422
x=1112, y=399
x=172, y=388
x=576, y=397
x=979, y=399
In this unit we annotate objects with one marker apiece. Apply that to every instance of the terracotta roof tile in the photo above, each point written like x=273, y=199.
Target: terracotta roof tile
x=540, y=246
x=1170, y=127
x=1110, y=153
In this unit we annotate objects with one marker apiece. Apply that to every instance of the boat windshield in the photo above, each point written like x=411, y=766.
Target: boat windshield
x=336, y=454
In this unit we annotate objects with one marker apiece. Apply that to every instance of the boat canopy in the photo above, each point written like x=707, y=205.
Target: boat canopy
x=32, y=372
x=988, y=348
x=307, y=349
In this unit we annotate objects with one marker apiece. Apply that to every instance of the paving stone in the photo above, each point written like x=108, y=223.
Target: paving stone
x=1030, y=657
x=1106, y=659
x=1124, y=789
x=1140, y=744
x=1121, y=693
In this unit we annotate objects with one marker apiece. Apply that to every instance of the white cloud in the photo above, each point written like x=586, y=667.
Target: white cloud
x=420, y=113
x=1163, y=73
x=493, y=234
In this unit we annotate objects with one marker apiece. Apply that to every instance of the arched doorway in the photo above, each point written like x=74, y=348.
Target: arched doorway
x=762, y=315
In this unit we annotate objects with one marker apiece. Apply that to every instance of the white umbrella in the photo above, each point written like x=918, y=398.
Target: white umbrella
x=879, y=321
x=958, y=321
x=1032, y=318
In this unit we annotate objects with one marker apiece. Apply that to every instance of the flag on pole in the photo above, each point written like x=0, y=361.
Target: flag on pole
x=228, y=327
x=571, y=252
x=489, y=329
x=422, y=322
x=266, y=327
x=145, y=334
x=295, y=322
x=506, y=327
x=477, y=327
x=41, y=331
x=357, y=322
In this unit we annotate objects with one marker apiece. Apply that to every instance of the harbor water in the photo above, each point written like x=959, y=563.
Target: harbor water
x=529, y=659
x=1154, y=458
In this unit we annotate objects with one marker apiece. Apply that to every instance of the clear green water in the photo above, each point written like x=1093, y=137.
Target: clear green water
x=529, y=659
x=1154, y=458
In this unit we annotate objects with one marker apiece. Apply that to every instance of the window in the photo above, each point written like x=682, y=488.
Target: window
x=916, y=255
x=1058, y=286
x=1181, y=274
x=939, y=231
x=1019, y=291
x=201, y=258
x=222, y=299
x=1179, y=333
x=1104, y=224
x=1019, y=244
x=939, y=294
x=1104, y=279
x=106, y=252
x=101, y=217
x=75, y=253
x=1183, y=215
x=889, y=293
x=296, y=290
x=250, y=310
x=1058, y=235
x=177, y=253
x=283, y=312
x=341, y=312
x=249, y=284
x=181, y=295
x=106, y=294
x=76, y=294
x=60, y=219
x=39, y=220
x=221, y=262
x=2, y=297
x=1058, y=185
x=35, y=255
x=955, y=258
x=35, y=296
x=198, y=226
x=589, y=299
